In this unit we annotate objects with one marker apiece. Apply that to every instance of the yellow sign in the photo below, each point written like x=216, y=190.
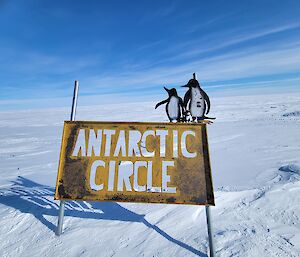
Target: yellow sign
x=135, y=162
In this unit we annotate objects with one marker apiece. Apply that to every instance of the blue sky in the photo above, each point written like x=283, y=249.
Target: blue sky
x=136, y=47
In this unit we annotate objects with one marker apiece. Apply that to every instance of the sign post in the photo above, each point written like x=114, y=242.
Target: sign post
x=208, y=221
x=210, y=232
x=62, y=202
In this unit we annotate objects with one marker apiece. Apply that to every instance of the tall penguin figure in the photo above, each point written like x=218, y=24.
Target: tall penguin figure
x=196, y=101
x=174, y=107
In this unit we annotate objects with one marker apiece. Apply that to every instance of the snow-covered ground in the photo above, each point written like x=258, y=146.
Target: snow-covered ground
x=255, y=155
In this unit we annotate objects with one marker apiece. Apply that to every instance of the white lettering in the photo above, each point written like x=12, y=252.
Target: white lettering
x=175, y=143
x=94, y=167
x=111, y=175
x=144, y=150
x=125, y=171
x=134, y=140
x=136, y=185
x=108, y=133
x=121, y=145
x=162, y=137
x=95, y=140
x=166, y=177
x=184, y=150
x=150, y=187
x=80, y=144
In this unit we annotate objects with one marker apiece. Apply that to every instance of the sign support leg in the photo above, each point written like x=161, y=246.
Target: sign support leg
x=210, y=232
x=62, y=202
x=60, y=218
x=208, y=221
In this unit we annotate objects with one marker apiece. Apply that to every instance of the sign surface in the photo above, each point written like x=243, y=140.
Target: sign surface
x=135, y=162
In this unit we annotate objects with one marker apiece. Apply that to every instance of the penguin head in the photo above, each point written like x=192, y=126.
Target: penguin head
x=192, y=83
x=171, y=92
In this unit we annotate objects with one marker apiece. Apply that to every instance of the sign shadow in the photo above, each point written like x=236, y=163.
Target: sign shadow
x=28, y=196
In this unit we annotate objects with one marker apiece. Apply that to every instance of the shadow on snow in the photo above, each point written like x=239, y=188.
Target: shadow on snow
x=29, y=197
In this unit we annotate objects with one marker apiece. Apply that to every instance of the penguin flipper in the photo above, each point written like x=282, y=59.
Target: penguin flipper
x=181, y=102
x=182, y=110
x=210, y=118
x=206, y=98
x=160, y=103
x=186, y=98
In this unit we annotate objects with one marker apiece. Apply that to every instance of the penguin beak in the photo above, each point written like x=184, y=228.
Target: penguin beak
x=185, y=86
x=167, y=89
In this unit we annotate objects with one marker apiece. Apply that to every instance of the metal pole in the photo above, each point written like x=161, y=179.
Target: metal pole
x=210, y=232
x=62, y=202
x=208, y=221
x=74, y=102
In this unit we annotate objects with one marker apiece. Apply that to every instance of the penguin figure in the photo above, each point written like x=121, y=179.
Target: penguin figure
x=196, y=101
x=174, y=107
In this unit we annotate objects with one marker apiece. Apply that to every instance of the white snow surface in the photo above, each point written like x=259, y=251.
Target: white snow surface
x=255, y=156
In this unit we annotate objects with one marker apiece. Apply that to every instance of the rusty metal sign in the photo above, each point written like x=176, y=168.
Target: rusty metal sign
x=135, y=162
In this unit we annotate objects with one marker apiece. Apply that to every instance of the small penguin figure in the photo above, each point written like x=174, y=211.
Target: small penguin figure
x=174, y=107
x=196, y=101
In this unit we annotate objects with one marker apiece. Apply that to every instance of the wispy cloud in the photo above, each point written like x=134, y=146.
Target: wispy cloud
x=162, y=11
x=250, y=61
x=35, y=62
x=237, y=65
x=197, y=27
x=215, y=42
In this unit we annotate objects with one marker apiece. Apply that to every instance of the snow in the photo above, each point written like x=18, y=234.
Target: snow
x=254, y=147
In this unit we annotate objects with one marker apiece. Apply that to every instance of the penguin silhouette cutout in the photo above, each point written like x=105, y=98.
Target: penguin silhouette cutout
x=174, y=105
x=196, y=101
